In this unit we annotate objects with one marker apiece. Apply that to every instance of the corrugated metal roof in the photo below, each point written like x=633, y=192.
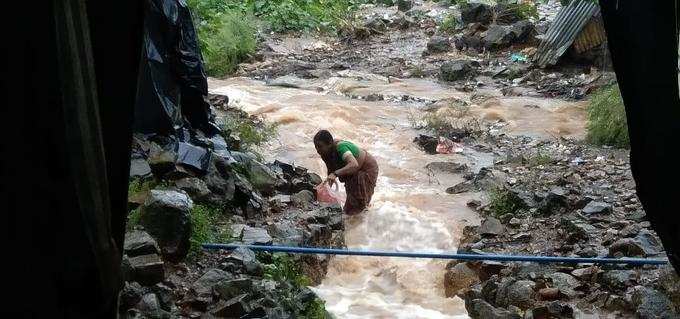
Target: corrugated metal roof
x=591, y=36
x=564, y=29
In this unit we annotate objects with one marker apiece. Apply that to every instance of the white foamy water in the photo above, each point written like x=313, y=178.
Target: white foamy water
x=410, y=210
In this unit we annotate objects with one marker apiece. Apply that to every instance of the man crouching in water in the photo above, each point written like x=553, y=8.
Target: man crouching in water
x=352, y=165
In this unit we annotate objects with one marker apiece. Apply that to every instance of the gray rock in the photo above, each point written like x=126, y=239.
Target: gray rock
x=147, y=269
x=649, y=243
x=236, y=307
x=565, y=283
x=203, y=286
x=438, y=44
x=151, y=307
x=242, y=255
x=138, y=243
x=523, y=30
x=255, y=236
x=457, y=70
x=286, y=232
x=130, y=295
x=627, y=247
x=618, y=279
x=577, y=230
x=651, y=303
x=586, y=274
x=554, y=309
x=459, y=277
x=554, y=202
x=461, y=187
x=231, y=288
x=491, y=227
x=166, y=215
x=139, y=167
x=498, y=37
x=404, y=5
x=161, y=161
x=597, y=208
x=521, y=294
x=260, y=176
x=476, y=12
x=302, y=198
x=478, y=308
x=195, y=187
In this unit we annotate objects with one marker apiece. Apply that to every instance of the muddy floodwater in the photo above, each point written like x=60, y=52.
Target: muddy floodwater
x=410, y=210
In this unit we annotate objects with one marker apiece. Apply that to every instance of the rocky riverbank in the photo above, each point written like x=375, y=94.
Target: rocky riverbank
x=184, y=193
x=560, y=198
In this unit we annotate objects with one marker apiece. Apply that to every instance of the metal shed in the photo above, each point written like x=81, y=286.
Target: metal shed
x=577, y=25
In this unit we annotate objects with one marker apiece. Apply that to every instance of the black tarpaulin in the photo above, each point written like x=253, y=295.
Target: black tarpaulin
x=172, y=79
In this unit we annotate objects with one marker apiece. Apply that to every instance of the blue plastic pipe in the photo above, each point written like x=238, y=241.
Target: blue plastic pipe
x=494, y=257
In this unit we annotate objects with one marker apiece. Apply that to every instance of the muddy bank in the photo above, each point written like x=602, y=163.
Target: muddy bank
x=561, y=198
x=183, y=195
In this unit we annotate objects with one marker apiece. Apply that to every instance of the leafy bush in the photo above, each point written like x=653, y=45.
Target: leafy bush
x=250, y=133
x=449, y=24
x=227, y=42
x=504, y=202
x=205, y=228
x=607, y=124
x=284, y=268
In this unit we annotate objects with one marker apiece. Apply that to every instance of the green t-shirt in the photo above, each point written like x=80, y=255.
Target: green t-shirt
x=345, y=146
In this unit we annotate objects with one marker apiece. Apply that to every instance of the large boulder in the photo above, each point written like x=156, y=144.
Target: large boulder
x=491, y=227
x=139, y=243
x=147, y=269
x=259, y=175
x=476, y=12
x=438, y=44
x=499, y=37
x=457, y=70
x=195, y=187
x=166, y=215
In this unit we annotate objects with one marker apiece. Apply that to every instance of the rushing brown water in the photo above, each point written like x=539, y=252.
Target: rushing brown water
x=410, y=210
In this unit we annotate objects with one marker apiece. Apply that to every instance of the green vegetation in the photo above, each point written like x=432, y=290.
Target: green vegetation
x=133, y=218
x=283, y=268
x=607, y=123
x=205, y=228
x=538, y=158
x=250, y=134
x=504, y=202
x=449, y=24
x=138, y=186
x=227, y=43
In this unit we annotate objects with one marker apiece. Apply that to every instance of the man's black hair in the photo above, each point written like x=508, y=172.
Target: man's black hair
x=323, y=136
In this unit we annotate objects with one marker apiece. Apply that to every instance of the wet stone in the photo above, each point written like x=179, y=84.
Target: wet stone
x=491, y=227
x=597, y=208
x=255, y=236
x=618, y=279
x=565, y=283
x=147, y=269
x=138, y=243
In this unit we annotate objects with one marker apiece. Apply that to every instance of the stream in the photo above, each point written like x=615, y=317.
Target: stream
x=410, y=210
